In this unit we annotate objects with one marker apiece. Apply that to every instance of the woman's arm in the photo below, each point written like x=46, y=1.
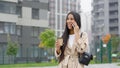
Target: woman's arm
x=82, y=43
x=57, y=53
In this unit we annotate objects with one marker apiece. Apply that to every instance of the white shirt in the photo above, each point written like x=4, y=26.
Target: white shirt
x=71, y=39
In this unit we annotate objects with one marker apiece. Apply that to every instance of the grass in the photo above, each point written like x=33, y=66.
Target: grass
x=28, y=65
x=92, y=62
x=118, y=64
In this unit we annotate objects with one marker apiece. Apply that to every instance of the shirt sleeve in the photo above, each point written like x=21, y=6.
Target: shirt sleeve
x=57, y=55
x=82, y=43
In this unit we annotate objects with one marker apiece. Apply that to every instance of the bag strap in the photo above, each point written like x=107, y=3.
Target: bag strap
x=81, y=35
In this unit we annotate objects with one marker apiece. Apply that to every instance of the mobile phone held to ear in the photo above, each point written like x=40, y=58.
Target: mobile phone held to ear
x=73, y=25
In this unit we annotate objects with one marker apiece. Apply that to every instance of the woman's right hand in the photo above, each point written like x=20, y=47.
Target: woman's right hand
x=57, y=46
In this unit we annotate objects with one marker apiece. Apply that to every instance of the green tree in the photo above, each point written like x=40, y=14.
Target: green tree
x=47, y=38
x=12, y=48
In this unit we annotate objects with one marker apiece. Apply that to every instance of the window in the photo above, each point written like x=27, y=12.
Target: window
x=115, y=12
x=7, y=8
x=36, y=50
x=1, y=27
x=36, y=0
x=58, y=6
x=1, y=7
x=35, y=32
x=19, y=11
x=113, y=4
x=19, y=30
x=12, y=28
x=58, y=22
x=7, y=27
x=20, y=53
x=63, y=22
x=35, y=13
x=113, y=20
x=113, y=28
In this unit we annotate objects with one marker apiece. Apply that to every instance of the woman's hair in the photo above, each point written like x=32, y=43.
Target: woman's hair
x=65, y=35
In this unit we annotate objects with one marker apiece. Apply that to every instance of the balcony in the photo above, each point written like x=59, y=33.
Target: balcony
x=113, y=24
x=114, y=32
x=113, y=16
x=32, y=22
x=8, y=17
x=113, y=8
x=111, y=1
x=11, y=0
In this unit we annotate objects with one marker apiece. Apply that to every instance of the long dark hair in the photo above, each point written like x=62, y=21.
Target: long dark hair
x=65, y=35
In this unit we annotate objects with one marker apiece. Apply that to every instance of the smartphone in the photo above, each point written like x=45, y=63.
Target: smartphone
x=73, y=26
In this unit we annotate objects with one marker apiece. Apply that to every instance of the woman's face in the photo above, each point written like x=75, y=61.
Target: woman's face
x=70, y=20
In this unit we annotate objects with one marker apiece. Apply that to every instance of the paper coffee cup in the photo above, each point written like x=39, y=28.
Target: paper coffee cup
x=60, y=40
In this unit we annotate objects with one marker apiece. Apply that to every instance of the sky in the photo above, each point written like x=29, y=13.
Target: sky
x=86, y=16
x=86, y=5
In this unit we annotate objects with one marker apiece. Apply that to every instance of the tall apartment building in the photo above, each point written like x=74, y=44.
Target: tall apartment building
x=23, y=20
x=106, y=18
x=58, y=10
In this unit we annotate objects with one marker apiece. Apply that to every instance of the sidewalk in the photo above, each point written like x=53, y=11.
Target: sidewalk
x=113, y=65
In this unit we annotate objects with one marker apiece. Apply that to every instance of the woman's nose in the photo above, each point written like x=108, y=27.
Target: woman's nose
x=69, y=21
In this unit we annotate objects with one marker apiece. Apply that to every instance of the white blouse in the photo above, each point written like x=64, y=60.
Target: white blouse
x=71, y=39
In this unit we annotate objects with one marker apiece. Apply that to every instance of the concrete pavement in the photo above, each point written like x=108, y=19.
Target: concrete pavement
x=113, y=65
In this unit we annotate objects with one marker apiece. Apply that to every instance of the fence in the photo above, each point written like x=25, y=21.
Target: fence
x=27, y=55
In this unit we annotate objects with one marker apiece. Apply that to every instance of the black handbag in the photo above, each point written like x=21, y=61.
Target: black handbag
x=85, y=57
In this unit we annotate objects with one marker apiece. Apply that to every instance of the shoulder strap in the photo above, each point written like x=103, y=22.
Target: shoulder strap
x=81, y=35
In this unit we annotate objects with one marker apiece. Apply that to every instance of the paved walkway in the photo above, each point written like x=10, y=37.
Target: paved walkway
x=103, y=66
x=113, y=65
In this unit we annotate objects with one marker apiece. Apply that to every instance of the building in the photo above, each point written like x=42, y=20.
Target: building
x=23, y=20
x=106, y=16
x=58, y=10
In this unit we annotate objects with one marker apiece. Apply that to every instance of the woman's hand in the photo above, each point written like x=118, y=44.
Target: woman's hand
x=76, y=31
x=57, y=46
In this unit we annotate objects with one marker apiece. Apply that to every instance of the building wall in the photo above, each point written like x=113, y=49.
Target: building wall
x=108, y=25
x=28, y=21
x=119, y=16
x=24, y=28
x=110, y=17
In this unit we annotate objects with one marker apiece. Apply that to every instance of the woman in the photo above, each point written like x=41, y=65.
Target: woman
x=72, y=43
